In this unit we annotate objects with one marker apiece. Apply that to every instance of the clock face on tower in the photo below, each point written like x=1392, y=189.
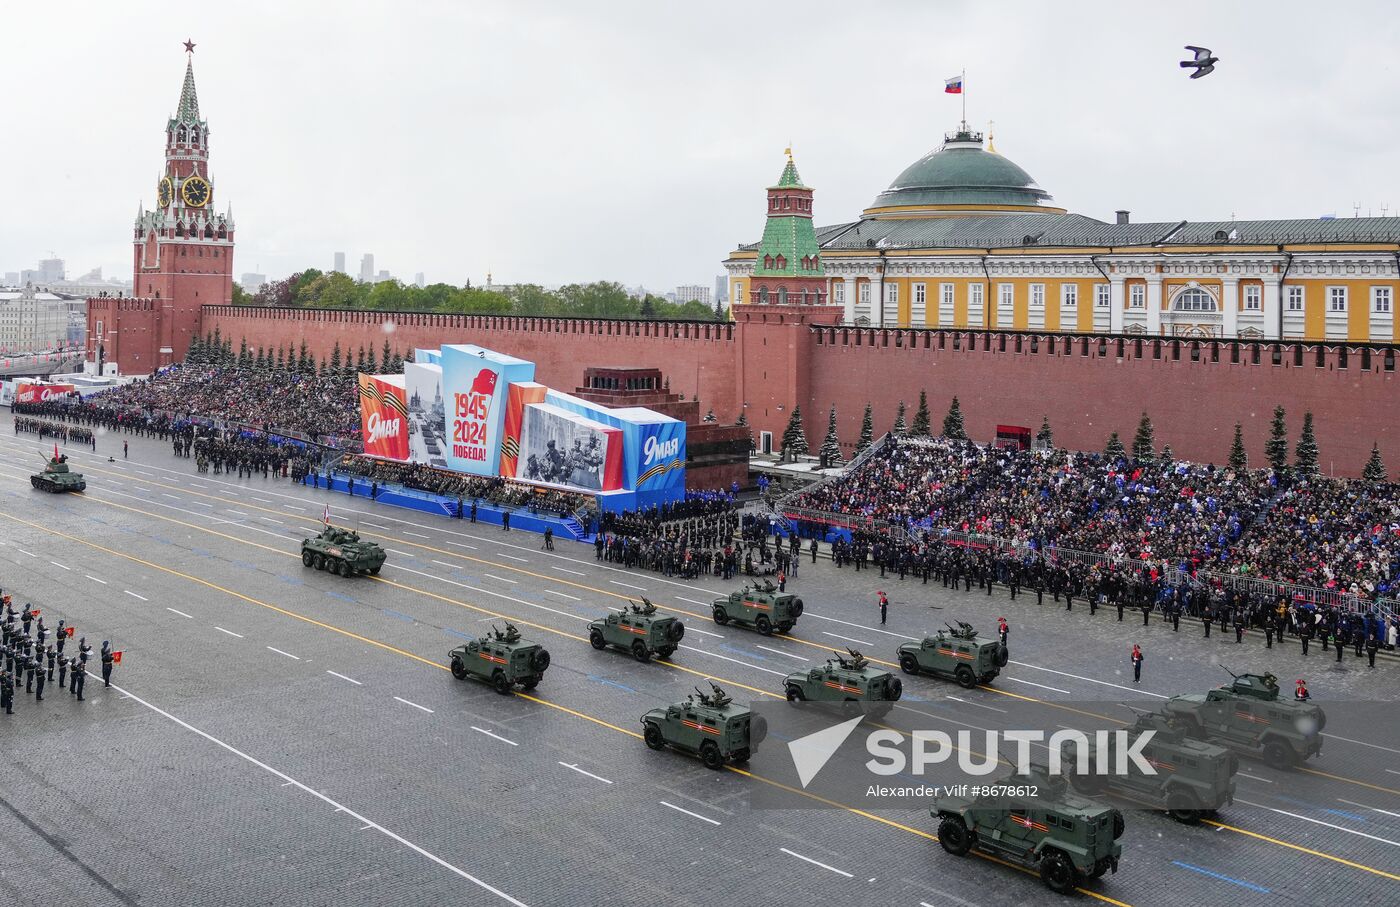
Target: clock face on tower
x=196, y=191
x=165, y=192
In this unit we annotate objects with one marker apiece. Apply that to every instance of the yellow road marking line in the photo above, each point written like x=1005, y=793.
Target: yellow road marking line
x=1301, y=849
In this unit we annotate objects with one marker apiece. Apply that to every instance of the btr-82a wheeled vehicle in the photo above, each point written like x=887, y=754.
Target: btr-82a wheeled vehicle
x=762, y=607
x=1193, y=778
x=708, y=725
x=1036, y=820
x=342, y=551
x=56, y=477
x=503, y=658
x=637, y=629
x=1247, y=716
x=955, y=654
x=845, y=679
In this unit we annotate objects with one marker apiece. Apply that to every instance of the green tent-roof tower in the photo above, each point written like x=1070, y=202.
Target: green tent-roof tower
x=788, y=269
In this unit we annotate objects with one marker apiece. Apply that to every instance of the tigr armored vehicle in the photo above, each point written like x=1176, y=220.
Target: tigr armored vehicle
x=762, y=607
x=1051, y=828
x=1248, y=717
x=1193, y=777
x=957, y=654
x=503, y=658
x=57, y=477
x=342, y=551
x=638, y=630
x=845, y=678
x=709, y=725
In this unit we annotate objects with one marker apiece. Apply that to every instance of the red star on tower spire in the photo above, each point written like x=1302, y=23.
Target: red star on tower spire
x=189, y=46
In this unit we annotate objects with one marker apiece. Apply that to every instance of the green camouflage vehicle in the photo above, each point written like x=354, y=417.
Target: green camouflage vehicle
x=638, y=630
x=710, y=726
x=1037, y=821
x=502, y=659
x=957, y=654
x=1193, y=779
x=762, y=607
x=57, y=477
x=847, y=680
x=1247, y=716
x=342, y=551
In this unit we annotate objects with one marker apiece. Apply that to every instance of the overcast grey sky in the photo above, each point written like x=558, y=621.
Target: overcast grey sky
x=563, y=141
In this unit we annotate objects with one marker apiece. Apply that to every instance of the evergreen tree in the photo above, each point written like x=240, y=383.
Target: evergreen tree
x=261, y=361
x=953, y=423
x=1374, y=471
x=867, y=431
x=397, y=367
x=335, y=358
x=1305, y=453
x=371, y=364
x=216, y=350
x=1239, y=457
x=1115, y=450
x=900, y=429
x=710, y=415
x=1142, y=441
x=195, y=353
x=794, y=439
x=1045, y=434
x=387, y=356
x=303, y=360
x=245, y=358
x=831, y=444
x=1167, y=454
x=281, y=359
x=1277, y=447
x=743, y=418
x=360, y=364
x=920, y=428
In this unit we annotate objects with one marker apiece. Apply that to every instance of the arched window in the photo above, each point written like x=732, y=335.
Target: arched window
x=181, y=135
x=781, y=262
x=194, y=135
x=782, y=295
x=768, y=261
x=763, y=295
x=1194, y=299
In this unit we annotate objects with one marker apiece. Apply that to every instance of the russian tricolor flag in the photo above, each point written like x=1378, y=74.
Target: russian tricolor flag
x=953, y=85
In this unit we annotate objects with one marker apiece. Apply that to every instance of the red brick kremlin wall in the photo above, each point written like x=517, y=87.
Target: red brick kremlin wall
x=776, y=356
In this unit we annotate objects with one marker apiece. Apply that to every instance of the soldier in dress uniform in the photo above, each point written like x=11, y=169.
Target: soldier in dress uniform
x=28, y=666
x=39, y=684
x=53, y=656
x=7, y=693
x=26, y=618
x=106, y=663
x=63, y=672
x=79, y=680
x=61, y=635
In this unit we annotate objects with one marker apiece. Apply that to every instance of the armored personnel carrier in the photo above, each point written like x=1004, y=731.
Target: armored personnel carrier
x=1193, y=778
x=1247, y=716
x=955, y=654
x=845, y=678
x=57, y=477
x=708, y=725
x=638, y=630
x=762, y=607
x=502, y=658
x=342, y=551
x=1036, y=820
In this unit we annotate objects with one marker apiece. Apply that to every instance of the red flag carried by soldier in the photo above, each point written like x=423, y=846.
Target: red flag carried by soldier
x=70, y=631
x=117, y=657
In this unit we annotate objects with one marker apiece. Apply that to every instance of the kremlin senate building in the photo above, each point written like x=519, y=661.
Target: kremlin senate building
x=963, y=278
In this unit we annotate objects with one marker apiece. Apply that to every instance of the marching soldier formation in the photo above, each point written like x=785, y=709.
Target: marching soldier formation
x=30, y=663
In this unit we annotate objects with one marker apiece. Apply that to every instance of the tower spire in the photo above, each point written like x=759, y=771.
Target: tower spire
x=188, y=111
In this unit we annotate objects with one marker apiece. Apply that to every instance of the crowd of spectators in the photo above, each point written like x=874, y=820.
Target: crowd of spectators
x=466, y=488
x=1312, y=530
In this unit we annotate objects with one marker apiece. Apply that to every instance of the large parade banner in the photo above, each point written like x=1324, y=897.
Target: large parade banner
x=384, y=416
x=474, y=384
x=27, y=392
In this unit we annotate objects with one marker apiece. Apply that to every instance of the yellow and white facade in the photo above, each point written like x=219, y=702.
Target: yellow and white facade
x=965, y=239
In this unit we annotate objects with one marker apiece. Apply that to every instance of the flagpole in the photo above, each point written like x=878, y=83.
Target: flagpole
x=964, y=99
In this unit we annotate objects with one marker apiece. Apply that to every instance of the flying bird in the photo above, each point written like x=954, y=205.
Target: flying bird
x=1204, y=63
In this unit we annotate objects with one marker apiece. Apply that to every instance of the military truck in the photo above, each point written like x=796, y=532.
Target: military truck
x=1034, y=819
x=708, y=725
x=762, y=607
x=56, y=477
x=502, y=658
x=1247, y=717
x=636, y=629
x=342, y=551
x=955, y=654
x=847, y=679
x=1193, y=778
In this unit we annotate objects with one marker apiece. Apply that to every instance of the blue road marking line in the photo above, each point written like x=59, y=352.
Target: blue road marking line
x=1224, y=878
x=909, y=698
x=457, y=633
x=385, y=610
x=244, y=565
x=291, y=580
x=342, y=596
x=745, y=652
x=611, y=683
x=1346, y=815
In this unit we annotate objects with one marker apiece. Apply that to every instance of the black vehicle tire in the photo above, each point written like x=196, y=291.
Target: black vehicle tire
x=965, y=678
x=666, y=651
x=909, y=664
x=640, y=651
x=896, y=689
x=1182, y=807
x=652, y=736
x=320, y=562
x=374, y=571
x=1003, y=656
x=721, y=616
x=1118, y=825
x=794, y=693
x=954, y=835
x=596, y=639
x=502, y=683
x=711, y=756
x=797, y=607
x=539, y=662
x=531, y=683
x=459, y=670
x=344, y=569
x=307, y=559
x=784, y=628
x=763, y=625
x=1057, y=872
x=1101, y=867
x=758, y=731
x=739, y=757
x=675, y=632
x=1278, y=755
